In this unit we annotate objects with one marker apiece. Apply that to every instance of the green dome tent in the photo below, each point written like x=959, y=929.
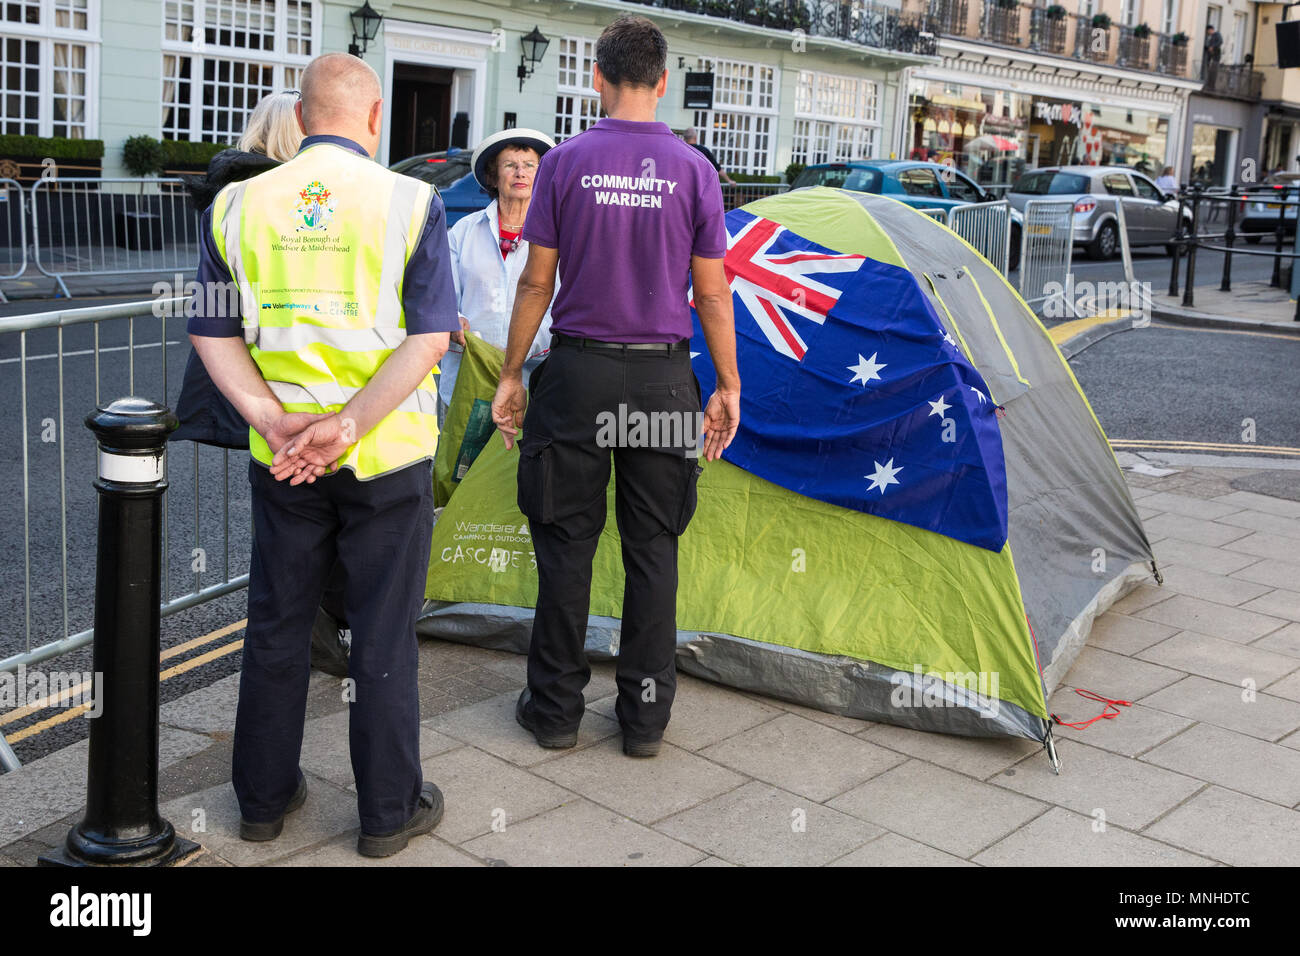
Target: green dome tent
x=823, y=605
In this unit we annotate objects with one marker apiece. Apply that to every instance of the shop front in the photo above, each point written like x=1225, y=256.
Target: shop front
x=995, y=134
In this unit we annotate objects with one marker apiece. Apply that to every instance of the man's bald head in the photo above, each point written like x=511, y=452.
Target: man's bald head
x=339, y=92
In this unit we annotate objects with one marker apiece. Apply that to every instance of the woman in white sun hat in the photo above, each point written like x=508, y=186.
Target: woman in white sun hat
x=487, y=252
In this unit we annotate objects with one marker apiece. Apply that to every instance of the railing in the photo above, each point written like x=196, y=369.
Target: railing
x=854, y=21
x=987, y=227
x=13, y=231
x=1134, y=49
x=98, y=227
x=1171, y=57
x=1237, y=80
x=1002, y=22
x=1030, y=26
x=1229, y=203
x=55, y=384
x=741, y=193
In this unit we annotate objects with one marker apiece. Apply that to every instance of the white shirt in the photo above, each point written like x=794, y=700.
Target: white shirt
x=1167, y=184
x=485, y=290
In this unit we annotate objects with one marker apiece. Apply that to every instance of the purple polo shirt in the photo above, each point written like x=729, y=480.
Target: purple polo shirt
x=626, y=204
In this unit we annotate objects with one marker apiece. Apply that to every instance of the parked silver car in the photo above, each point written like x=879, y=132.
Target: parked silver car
x=1150, y=214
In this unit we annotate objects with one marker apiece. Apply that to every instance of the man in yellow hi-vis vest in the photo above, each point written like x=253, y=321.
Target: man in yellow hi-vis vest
x=342, y=276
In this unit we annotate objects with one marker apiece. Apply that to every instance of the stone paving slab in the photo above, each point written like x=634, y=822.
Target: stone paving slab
x=1286, y=641
x=1200, y=556
x=1196, y=530
x=894, y=850
x=946, y=810
x=803, y=757
x=1126, y=635
x=482, y=792
x=1233, y=761
x=421, y=851
x=490, y=725
x=974, y=756
x=1277, y=574
x=580, y=833
x=1206, y=617
x=1277, y=603
x=761, y=825
x=1113, y=675
x=1134, y=731
x=705, y=713
x=1217, y=659
x=1233, y=828
x=1062, y=838
x=642, y=790
x=1229, y=706
x=1130, y=793
x=1210, y=587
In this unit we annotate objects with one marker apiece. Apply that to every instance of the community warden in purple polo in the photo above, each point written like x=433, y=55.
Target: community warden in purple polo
x=633, y=216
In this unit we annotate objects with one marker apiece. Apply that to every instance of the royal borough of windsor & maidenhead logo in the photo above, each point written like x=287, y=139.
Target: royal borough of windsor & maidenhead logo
x=314, y=208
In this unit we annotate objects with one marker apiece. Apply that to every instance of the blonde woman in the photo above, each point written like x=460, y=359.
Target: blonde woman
x=271, y=137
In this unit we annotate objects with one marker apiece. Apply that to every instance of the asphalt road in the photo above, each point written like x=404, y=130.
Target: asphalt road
x=1152, y=383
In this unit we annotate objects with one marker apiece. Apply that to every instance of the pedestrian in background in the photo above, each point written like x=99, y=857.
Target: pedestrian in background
x=632, y=216
x=692, y=138
x=488, y=252
x=343, y=416
x=1166, y=182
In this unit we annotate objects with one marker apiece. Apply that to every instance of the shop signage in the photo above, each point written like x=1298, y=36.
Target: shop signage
x=699, y=91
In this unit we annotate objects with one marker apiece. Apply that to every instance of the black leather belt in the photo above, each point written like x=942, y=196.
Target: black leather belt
x=559, y=338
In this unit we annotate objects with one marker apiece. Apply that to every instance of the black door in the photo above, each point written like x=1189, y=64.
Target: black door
x=421, y=111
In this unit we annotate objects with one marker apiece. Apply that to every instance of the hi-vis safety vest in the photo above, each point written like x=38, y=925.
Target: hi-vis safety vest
x=318, y=248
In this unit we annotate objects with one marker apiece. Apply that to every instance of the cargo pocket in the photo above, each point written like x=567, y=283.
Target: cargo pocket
x=536, y=486
x=690, y=497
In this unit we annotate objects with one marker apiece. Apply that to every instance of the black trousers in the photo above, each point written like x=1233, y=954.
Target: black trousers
x=380, y=532
x=577, y=399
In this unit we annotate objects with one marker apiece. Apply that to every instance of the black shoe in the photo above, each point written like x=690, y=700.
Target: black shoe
x=328, y=652
x=524, y=715
x=260, y=832
x=427, y=816
x=641, y=748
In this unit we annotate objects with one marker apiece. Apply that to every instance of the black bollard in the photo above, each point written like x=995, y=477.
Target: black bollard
x=122, y=825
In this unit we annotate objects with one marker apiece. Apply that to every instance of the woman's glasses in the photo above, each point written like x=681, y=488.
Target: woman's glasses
x=513, y=167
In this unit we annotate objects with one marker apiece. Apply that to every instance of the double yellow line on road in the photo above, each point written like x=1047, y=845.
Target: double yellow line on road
x=82, y=688
x=1218, y=448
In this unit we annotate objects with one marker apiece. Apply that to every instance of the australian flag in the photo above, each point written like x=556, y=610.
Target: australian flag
x=852, y=390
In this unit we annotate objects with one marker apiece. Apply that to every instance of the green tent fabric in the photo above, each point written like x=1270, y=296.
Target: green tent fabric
x=838, y=609
x=469, y=417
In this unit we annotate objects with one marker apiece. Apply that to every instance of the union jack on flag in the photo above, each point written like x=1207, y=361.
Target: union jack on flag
x=770, y=272
x=853, y=392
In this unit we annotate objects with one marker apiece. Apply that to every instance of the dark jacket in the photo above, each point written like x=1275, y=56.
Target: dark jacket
x=204, y=413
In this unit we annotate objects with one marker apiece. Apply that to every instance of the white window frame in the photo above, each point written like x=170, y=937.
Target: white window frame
x=753, y=112
x=47, y=35
x=822, y=132
x=286, y=67
x=584, y=99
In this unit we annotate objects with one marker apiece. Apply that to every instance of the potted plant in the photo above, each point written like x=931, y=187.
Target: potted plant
x=1142, y=31
x=1180, y=39
x=1056, y=12
x=1101, y=21
x=792, y=172
x=143, y=157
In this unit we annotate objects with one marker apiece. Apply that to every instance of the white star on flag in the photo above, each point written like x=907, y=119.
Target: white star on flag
x=950, y=340
x=979, y=393
x=866, y=369
x=939, y=407
x=883, y=476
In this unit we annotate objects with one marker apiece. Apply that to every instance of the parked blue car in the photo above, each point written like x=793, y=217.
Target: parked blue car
x=918, y=184
x=450, y=174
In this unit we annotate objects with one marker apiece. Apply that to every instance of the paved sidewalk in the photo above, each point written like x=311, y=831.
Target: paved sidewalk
x=1248, y=305
x=1204, y=768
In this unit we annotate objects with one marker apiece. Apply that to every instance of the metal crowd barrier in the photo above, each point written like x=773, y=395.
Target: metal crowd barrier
x=115, y=226
x=935, y=212
x=987, y=227
x=735, y=196
x=13, y=232
x=57, y=521
x=1047, y=246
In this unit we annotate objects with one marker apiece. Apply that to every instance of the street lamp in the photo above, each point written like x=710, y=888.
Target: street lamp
x=534, y=45
x=365, y=27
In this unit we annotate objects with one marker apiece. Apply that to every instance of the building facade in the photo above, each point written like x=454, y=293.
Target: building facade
x=787, y=81
x=1020, y=85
